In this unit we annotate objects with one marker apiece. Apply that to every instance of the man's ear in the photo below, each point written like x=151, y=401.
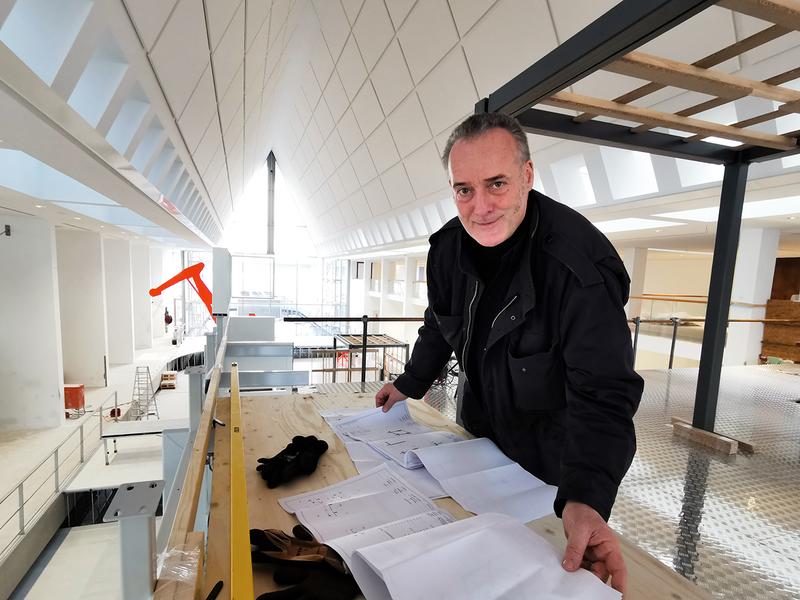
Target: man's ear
x=527, y=173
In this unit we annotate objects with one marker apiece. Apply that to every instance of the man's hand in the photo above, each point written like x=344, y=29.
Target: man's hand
x=387, y=396
x=592, y=545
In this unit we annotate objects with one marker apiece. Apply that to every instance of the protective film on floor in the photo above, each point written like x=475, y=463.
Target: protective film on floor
x=731, y=524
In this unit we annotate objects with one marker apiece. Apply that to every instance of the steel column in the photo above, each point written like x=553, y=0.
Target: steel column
x=271, y=204
x=365, y=325
x=719, y=294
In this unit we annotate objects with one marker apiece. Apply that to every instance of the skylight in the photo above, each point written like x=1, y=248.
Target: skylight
x=632, y=224
x=752, y=210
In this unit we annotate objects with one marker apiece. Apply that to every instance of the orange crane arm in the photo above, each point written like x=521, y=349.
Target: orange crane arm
x=192, y=272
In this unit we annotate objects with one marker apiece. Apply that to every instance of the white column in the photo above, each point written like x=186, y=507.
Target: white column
x=31, y=370
x=82, y=293
x=156, y=278
x=385, y=268
x=635, y=260
x=142, y=305
x=221, y=285
x=752, y=285
x=119, y=301
x=408, y=267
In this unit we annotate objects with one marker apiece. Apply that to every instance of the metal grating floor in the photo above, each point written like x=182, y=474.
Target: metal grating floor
x=730, y=524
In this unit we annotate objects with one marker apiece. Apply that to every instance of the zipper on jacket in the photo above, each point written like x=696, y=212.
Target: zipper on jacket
x=469, y=322
x=501, y=311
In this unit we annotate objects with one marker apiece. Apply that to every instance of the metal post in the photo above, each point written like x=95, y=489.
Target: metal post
x=81, y=442
x=719, y=294
x=271, y=203
x=55, y=472
x=636, y=322
x=21, y=498
x=210, y=351
x=334, y=360
x=675, y=323
x=134, y=506
x=365, y=324
x=196, y=380
x=116, y=412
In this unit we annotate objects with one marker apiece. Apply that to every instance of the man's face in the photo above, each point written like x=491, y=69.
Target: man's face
x=490, y=185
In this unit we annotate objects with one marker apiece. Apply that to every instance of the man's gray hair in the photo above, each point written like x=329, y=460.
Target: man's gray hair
x=481, y=123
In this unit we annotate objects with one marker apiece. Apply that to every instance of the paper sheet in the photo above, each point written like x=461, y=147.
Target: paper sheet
x=487, y=557
x=365, y=458
x=482, y=479
x=397, y=449
x=348, y=544
x=374, y=424
x=373, y=498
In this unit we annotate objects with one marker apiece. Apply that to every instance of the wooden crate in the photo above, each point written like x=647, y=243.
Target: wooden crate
x=169, y=379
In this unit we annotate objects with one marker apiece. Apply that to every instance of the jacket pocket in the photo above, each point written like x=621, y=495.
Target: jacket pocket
x=451, y=328
x=538, y=381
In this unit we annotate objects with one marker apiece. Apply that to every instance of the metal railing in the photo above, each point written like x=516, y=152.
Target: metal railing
x=365, y=321
x=676, y=322
x=34, y=492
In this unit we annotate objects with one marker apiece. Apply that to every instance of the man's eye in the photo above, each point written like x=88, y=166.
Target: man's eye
x=462, y=191
x=497, y=184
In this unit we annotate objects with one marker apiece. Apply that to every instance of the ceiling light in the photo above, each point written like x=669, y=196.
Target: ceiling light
x=631, y=224
x=792, y=218
x=752, y=210
x=77, y=218
x=102, y=226
x=39, y=206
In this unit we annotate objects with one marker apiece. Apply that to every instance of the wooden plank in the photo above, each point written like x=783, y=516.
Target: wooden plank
x=707, y=81
x=780, y=12
x=271, y=421
x=745, y=447
x=717, y=442
x=662, y=119
x=218, y=559
x=720, y=56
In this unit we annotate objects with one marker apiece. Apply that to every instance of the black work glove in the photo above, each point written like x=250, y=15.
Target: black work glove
x=300, y=457
x=315, y=571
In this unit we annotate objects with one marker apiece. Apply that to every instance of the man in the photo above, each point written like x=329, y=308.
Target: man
x=530, y=296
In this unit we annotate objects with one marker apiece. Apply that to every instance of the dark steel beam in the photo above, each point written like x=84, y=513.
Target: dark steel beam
x=545, y=122
x=761, y=154
x=628, y=25
x=719, y=294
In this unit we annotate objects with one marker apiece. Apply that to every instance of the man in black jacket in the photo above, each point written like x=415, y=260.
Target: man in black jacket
x=530, y=296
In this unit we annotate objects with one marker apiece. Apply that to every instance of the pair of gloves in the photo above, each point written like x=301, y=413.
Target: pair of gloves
x=315, y=571
x=300, y=457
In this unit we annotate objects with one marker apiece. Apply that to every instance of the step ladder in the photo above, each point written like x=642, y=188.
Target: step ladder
x=143, y=404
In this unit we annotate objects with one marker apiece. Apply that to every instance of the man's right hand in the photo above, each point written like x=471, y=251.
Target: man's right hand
x=387, y=396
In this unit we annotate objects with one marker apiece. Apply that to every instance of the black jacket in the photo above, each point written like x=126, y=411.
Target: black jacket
x=559, y=387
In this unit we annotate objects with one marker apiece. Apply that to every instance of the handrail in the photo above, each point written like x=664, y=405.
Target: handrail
x=186, y=511
x=58, y=482
x=64, y=441
x=681, y=298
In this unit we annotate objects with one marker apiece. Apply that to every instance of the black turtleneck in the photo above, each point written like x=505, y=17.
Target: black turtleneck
x=495, y=266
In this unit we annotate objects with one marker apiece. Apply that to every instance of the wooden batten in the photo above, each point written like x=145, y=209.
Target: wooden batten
x=781, y=12
x=666, y=72
x=662, y=119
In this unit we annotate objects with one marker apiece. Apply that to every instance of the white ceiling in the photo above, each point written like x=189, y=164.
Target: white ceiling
x=355, y=98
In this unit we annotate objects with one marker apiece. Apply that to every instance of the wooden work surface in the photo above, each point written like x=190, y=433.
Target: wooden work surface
x=270, y=422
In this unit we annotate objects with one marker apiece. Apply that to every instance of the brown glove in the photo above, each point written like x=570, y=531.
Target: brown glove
x=275, y=546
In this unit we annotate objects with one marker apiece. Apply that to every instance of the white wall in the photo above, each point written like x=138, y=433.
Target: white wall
x=119, y=301
x=81, y=285
x=157, y=303
x=668, y=274
x=31, y=370
x=142, y=305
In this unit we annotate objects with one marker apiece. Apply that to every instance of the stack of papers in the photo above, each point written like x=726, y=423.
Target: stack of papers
x=482, y=479
x=366, y=509
x=488, y=557
x=394, y=434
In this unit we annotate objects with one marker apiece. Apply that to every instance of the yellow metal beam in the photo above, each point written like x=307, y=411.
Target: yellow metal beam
x=241, y=564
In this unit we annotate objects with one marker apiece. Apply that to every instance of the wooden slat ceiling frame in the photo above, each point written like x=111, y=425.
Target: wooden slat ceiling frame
x=699, y=77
